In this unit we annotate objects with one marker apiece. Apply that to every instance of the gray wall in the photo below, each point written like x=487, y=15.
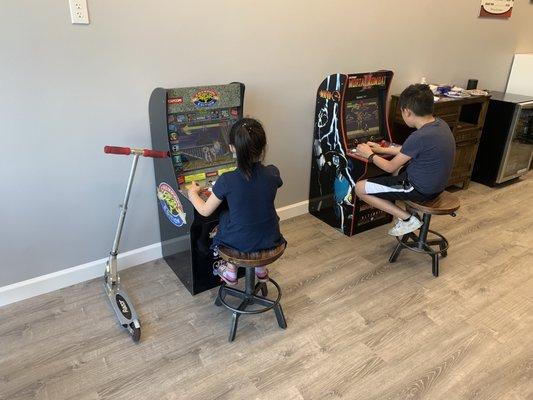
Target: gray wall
x=66, y=91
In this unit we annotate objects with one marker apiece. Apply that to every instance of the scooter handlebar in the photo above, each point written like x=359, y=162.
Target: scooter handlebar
x=128, y=150
x=154, y=153
x=117, y=150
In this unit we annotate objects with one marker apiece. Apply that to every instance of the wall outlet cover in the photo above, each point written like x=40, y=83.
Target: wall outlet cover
x=79, y=13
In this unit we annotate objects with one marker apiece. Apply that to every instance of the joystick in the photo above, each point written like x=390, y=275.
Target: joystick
x=205, y=192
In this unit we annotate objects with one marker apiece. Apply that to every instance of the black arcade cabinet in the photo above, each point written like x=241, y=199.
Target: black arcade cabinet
x=350, y=109
x=193, y=124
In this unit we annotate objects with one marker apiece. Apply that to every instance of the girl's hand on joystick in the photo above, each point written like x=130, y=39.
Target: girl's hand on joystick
x=194, y=188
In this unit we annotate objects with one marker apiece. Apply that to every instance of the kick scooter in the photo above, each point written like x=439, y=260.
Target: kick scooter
x=121, y=304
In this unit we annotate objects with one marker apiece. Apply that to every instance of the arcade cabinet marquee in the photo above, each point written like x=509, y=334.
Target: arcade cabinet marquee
x=350, y=109
x=193, y=124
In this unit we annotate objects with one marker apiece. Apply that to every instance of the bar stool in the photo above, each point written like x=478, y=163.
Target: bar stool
x=250, y=295
x=445, y=204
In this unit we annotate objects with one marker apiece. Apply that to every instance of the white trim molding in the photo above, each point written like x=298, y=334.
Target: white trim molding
x=70, y=276
x=293, y=210
x=95, y=269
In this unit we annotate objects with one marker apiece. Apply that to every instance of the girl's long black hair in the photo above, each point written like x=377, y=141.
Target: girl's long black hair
x=249, y=139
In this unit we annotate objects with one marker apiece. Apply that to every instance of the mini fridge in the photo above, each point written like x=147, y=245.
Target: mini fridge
x=506, y=144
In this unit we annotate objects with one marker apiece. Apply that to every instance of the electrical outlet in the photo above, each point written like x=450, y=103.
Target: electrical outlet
x=79, y=14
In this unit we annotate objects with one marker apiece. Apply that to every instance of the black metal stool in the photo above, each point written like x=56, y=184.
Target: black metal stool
x=445, y=204
x=250, y=295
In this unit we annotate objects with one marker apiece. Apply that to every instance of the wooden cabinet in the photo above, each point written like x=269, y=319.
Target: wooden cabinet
x=465, y=117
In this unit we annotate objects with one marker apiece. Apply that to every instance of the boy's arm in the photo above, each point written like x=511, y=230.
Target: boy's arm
x=393, y=165
x=386, y=165
x=387, y=150
x=205, y=208
x=376, y=148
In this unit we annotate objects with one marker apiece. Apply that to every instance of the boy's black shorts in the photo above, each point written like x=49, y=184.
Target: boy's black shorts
x=395, y=188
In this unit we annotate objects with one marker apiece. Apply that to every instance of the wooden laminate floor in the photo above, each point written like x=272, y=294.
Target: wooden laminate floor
x=359, y=327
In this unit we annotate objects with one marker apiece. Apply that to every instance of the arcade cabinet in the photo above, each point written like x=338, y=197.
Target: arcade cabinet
x=350, y=109
x=193, y=124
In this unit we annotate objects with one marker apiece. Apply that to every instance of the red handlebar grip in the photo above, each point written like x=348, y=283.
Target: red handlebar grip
x=117, y=150
x=154, y=153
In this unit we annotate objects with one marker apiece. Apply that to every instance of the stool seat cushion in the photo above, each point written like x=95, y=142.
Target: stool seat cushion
x=255, y=259
x=445, y=203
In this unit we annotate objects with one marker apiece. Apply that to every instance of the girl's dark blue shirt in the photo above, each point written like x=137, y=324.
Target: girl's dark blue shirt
x=250, y=223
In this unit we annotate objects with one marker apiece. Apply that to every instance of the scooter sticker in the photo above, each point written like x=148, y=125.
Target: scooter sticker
x=171, y=204
x=123, y=306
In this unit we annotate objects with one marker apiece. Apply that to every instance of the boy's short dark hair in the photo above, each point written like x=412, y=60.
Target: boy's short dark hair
x=418, y=98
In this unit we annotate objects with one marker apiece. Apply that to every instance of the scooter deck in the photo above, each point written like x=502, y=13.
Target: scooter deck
x=125, y=312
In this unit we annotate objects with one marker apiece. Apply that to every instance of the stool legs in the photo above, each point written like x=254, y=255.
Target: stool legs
x=441, y=244
x=282, y=323
x=233, y=329
x=443, y=251
x=421, y=244
x=422, y=237
x=263, y=287
x=218, y=300
x=235, y=319
x=435, y=265
x=249, y=285
x=249, y=289
x=398, y=249
x=277, y=310
x=250, y=296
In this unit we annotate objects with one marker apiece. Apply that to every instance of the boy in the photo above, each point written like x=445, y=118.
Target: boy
x=430, y=151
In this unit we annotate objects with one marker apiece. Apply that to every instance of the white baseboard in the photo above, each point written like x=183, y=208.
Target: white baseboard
x=293, y=210
x=94, y=269
x=70, y=276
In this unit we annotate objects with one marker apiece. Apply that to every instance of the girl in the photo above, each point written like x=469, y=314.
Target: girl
x=250, y=224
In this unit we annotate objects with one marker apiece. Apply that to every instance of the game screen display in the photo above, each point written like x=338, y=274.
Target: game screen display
x=362, y=117
x=200, y=145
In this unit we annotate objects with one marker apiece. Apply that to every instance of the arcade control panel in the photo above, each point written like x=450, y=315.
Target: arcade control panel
x=204, y=193
x=383, y=143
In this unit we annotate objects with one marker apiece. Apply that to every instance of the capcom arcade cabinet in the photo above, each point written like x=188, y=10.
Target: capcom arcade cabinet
x=193, y=124
x=350, y=109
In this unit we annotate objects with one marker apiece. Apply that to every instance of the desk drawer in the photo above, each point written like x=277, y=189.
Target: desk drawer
x=466, y=132
x=450, y=119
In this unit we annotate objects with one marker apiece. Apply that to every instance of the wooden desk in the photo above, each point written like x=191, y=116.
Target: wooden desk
x=465, y=117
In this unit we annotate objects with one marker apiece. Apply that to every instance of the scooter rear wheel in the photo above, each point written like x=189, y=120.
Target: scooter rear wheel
x=135, y=332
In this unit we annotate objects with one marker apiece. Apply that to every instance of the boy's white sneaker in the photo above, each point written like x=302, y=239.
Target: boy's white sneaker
x=403, y=227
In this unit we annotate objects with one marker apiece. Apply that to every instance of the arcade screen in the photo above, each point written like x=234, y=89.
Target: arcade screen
x=362, y=117
x=200, y=144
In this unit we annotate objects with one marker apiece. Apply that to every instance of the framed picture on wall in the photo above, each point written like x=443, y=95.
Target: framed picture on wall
x=496, y=8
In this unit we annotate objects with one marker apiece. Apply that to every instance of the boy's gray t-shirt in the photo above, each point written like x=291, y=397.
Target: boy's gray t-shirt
x=432, y=152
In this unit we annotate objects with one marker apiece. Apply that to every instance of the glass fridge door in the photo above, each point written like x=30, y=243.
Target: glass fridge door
x=520, y=146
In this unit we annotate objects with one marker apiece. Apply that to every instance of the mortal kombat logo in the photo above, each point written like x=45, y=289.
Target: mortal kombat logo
x=330, y=95
x=366, y=81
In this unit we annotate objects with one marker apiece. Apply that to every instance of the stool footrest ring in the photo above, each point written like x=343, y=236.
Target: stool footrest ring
x=414, y=244
x=248, y=299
